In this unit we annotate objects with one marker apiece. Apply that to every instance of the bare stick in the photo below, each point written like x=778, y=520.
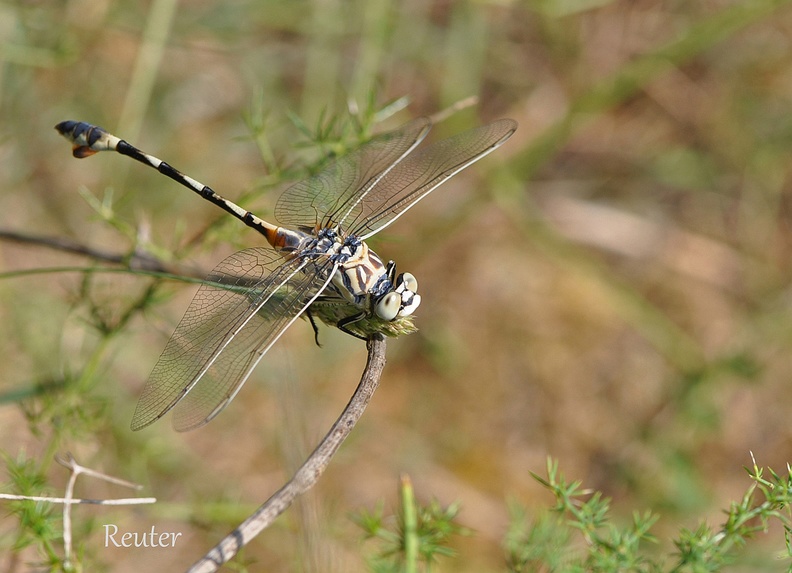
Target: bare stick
x=70, y=463
x=136, y=260
x=78, y=501
x=309, y=473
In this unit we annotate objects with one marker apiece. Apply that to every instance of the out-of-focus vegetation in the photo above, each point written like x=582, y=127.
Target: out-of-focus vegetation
x=610, y=288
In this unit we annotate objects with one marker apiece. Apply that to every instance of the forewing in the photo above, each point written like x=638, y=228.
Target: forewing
x=330, y=193
x=246, y=304
x=420, y=173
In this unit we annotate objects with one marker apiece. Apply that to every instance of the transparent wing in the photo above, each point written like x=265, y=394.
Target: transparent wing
x=319, y=199
x=419, y=174
x=248, y=301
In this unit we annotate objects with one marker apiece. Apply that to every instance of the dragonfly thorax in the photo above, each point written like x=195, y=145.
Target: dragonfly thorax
x=360, y=277
x=365, y=281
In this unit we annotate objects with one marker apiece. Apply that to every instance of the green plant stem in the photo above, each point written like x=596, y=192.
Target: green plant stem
x=411, y=541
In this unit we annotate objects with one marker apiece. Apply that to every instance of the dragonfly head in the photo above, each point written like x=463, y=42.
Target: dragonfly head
x=401, y=300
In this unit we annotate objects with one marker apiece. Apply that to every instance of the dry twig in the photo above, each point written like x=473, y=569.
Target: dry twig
x=76, y=469
x=309, y=473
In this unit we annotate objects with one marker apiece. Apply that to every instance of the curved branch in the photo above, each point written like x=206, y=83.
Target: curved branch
x=309, y=473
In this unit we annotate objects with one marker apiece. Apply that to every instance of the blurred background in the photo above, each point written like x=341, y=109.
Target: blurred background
x=609, y=288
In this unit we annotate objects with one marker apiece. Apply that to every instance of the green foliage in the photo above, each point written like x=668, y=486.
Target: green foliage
x=38, y=521
x=767, y=500
x=610, y=548
x=536, y=544
x=414, y=538
x=549, y=543
x=580, y=533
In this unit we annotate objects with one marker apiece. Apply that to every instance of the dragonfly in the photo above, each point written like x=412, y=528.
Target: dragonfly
x=317, y=264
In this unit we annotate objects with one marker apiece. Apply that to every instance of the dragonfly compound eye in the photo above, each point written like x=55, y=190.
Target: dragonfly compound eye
x=389, y=306
x=409, y=303
x=407, y=282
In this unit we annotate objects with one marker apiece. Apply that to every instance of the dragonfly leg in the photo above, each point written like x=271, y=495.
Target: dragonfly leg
x=342, y=324
x=309, y=314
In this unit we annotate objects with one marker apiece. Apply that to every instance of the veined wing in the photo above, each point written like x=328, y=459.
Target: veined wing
x=419, y=174
x=250, y=299
x=331, y=192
